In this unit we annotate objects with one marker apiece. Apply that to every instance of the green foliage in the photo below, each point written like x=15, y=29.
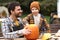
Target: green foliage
x=4, y=1
x=47, y=6
x=47, y=18
x=0, y=24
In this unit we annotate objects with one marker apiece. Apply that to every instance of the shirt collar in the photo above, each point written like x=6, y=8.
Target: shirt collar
x=37, y=15
x=11, y=19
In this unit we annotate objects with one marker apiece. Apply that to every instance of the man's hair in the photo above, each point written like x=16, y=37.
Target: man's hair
x=12, y=6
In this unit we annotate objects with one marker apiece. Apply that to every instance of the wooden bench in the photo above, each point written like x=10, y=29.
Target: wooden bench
x=54, y=27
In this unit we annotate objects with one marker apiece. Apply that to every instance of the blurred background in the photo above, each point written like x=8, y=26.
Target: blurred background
x=47, y=7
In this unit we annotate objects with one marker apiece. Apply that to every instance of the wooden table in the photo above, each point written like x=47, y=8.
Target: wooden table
x=37, y=39
x=18, y=39
x=2, y=38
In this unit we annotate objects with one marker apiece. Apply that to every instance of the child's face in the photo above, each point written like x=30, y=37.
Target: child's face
x=34, y=11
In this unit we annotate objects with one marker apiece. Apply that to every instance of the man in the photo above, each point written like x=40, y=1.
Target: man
x=12, y=27
x=36, y=18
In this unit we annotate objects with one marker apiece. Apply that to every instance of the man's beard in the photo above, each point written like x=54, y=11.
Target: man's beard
x=18, y=15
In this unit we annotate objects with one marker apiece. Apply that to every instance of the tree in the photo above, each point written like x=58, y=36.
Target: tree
x=47, y=6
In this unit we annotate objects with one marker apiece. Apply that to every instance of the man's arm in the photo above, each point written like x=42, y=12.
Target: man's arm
x=6, y=32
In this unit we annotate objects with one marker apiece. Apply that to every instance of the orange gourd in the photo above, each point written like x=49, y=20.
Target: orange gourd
x=34, y=32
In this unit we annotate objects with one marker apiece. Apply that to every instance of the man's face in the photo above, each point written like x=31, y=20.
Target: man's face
x=34, y=11
x=17, y=11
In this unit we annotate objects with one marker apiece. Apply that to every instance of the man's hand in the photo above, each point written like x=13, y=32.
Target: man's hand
x=26, y=31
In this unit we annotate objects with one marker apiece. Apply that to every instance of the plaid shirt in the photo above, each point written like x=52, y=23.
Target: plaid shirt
x=43, y=25
x=5, y=28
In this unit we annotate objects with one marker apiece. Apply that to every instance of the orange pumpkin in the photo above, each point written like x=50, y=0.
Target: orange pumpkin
x=34, y=32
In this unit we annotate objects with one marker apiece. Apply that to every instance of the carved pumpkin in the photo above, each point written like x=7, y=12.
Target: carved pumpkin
x=34, y=32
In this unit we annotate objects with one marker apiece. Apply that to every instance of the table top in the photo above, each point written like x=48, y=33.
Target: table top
x=51, y=35
x=18, y=39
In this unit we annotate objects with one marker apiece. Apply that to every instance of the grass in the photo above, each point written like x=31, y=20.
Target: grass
x=0, y=24
x=47, y=17
x=24, y=15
